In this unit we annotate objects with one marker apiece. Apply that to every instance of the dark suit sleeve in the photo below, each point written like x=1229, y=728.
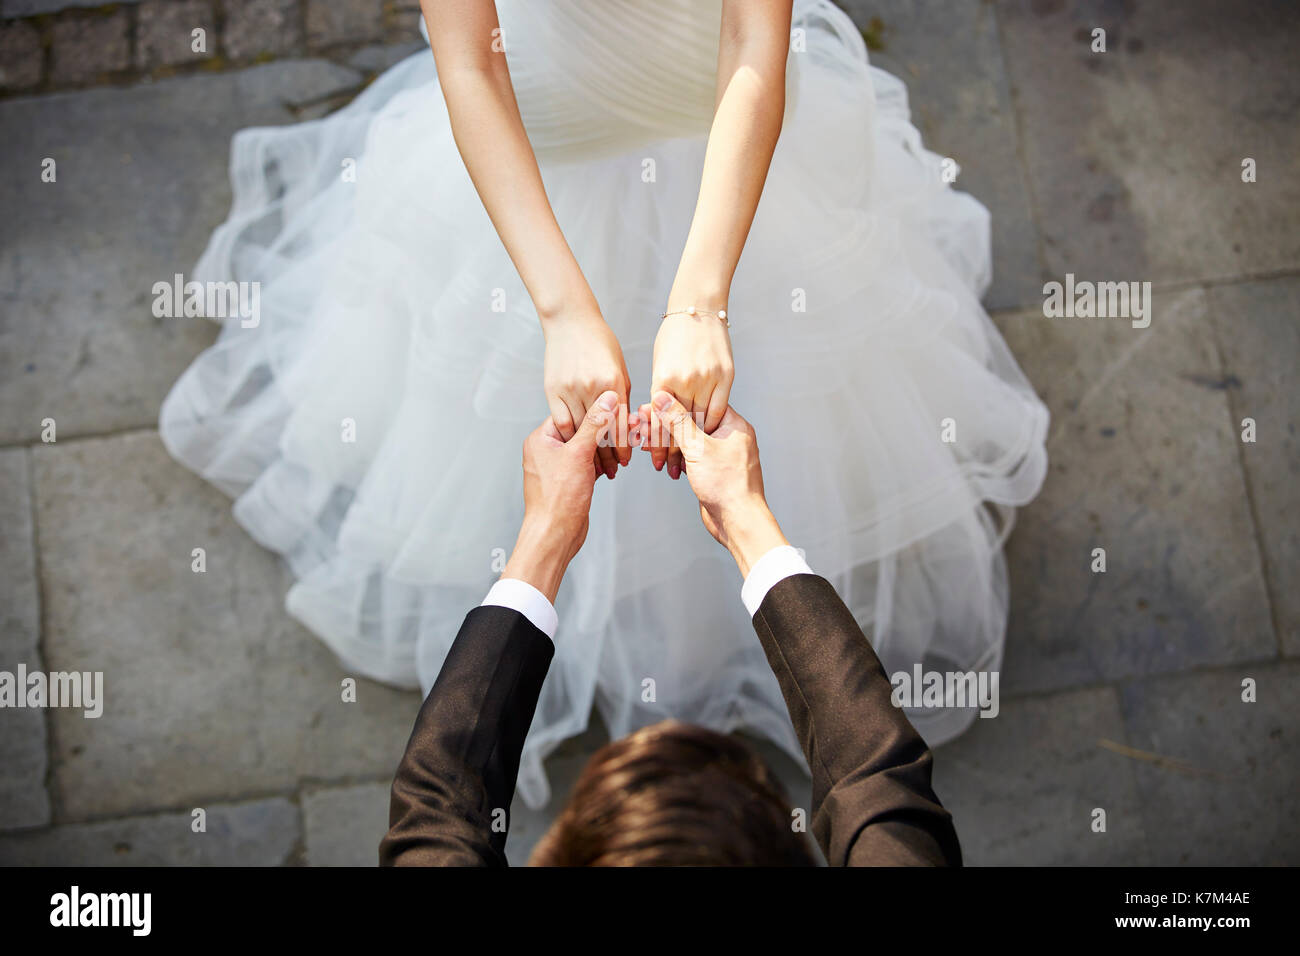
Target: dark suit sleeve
x=462, y=759
x=872, y=801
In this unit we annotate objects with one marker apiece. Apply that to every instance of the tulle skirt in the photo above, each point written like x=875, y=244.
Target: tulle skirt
x=369, y=424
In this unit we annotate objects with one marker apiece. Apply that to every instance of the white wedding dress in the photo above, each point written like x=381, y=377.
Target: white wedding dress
x=856, y=327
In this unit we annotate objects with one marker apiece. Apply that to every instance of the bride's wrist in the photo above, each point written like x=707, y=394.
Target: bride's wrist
x=700, y=288
x=564, y=301
x=569, y=312
x=679, y=300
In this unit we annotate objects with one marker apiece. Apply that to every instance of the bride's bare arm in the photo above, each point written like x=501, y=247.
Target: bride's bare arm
x=752, y=51
x=693, y=353
x=583, y=357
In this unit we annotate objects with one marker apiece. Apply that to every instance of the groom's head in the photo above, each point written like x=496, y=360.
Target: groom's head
x=674, y=795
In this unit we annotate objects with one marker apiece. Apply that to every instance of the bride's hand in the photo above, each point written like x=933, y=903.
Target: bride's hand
x=584, y=360
x=692, y=361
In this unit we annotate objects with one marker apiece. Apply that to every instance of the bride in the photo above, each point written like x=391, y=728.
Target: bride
x=560, y=197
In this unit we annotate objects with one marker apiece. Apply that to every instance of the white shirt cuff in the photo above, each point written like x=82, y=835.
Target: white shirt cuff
x=769, y=570
x=527, y=600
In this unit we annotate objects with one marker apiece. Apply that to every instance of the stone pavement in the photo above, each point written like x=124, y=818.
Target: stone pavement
x=1121, y=691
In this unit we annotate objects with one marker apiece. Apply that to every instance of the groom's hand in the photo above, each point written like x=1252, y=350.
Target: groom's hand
x=559, y=477
x=724, y=472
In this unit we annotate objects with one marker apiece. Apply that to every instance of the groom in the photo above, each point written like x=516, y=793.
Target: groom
x=670, y=794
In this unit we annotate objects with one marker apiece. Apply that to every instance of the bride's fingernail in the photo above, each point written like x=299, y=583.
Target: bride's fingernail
x=608, y=401
x=663, y=400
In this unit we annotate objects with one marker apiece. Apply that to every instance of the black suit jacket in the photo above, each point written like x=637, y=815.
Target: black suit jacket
x=872, y=801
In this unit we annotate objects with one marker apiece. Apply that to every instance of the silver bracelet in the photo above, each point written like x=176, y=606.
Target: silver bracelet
x=721, y=314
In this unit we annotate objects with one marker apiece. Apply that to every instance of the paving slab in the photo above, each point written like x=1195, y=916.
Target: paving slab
x=141, y=179
x=23, y=800
x=91, y=49
x=343, y=21
x=164, y=33
x=1227, y=795
x=950, y=57
x=1144, y=463
x=211, y=691
x=1023, y=786
x=345, y=824
x=256, y=833
x=1135, y=155
x=262, y=27
x=21, y=56
x=27, y=8
x=1258, y=328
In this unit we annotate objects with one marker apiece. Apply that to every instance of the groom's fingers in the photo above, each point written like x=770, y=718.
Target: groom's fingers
x=648, y=429
x=674, y=450
x=632, y=434
x=625, y=426
x=685, y=433
x=702, y=415
x=606, y=453
x=658, y=438
x=621, y=433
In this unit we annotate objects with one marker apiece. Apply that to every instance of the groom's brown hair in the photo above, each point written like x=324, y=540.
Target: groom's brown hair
x=674, y=794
